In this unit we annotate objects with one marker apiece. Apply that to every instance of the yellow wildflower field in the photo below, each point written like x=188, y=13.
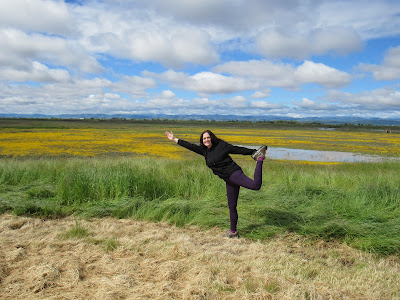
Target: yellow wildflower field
x=377, y=143
x=151, y=141
x=90, y=142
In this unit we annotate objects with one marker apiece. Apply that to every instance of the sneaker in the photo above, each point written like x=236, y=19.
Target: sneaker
x=260, y=152
x=231, y=235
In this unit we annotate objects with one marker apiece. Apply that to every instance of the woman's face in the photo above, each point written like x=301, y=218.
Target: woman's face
x=207, y=140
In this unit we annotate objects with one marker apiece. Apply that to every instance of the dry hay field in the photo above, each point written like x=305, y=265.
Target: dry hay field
x=108, y=258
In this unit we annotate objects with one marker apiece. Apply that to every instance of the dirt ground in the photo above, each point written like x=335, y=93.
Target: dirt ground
x=128, y=259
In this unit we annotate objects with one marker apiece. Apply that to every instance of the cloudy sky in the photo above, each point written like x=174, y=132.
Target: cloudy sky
x=239, y=57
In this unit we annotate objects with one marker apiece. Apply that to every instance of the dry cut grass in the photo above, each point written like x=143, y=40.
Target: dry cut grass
x=126, y=259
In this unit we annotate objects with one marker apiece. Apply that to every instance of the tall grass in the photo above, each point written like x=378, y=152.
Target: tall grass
x=356, y=203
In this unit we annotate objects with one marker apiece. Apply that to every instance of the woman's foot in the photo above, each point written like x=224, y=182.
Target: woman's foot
x=260, y=152
x=231, y=234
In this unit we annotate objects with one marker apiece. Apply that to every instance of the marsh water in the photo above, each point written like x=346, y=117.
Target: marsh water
x=321, y=156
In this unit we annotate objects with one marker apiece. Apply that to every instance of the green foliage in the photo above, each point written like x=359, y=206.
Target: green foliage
x=357, y=203
x=77, y=232
x=112, y=244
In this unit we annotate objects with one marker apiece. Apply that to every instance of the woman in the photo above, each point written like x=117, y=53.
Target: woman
x=216, y=153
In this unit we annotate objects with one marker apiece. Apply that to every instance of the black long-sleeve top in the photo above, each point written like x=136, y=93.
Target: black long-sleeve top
x=217, y=157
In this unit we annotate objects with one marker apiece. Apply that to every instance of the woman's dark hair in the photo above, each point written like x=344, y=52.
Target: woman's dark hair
x=214, y=139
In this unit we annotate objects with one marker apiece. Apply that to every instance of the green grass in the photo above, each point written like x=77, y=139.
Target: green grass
x=355, y=203
x=77, y=232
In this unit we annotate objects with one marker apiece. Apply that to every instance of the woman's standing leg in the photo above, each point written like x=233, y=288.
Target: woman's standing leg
x=232, y=193
x=233, y=184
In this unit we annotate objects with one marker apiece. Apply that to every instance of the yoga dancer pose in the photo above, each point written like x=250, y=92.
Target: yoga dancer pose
x=216, y=153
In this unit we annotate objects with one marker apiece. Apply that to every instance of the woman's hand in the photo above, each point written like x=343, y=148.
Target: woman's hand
x=171, y=137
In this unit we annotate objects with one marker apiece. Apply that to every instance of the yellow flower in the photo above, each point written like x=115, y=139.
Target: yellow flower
x=151, y=141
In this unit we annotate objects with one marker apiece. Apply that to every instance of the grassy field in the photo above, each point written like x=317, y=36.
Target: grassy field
x=105, y=258
x=129, y=169
x=357, y=203
x=313, y=231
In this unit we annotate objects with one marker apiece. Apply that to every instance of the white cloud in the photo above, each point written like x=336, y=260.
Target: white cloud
x=228, y=15
x=91, y=96
x=21, y=49
x=58, y=91
x=261, y=94
x=168, y=94
x=266, y=105
x=382, y=73
x=112, y=96
x=378, y=99
x=238, y=102
x=265, y=72
x=285, y=75
x=164, y=103
x=382, y=103
x=209, y=82
x=172, y=47
x=275, y=44
x=134, y=86
x=142, y=36
x=226, y=20
x=79, y=96
x=392, y=57
x=255, y=68
x=371, y=19
x=312, y=105
x=171, y=76
x=307, y=107
x=174, y=32
x=310, y=72
x=36, y=15
x=390, y=68
x=36, y=73
x=205, y=82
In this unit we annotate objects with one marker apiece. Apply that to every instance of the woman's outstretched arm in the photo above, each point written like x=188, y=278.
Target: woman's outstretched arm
x=192, y=147
x=171, y=136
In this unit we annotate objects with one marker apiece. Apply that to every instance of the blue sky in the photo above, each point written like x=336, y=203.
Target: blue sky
x=229, y=57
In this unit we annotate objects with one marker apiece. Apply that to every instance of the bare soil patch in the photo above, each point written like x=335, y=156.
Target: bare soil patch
x=128, y=259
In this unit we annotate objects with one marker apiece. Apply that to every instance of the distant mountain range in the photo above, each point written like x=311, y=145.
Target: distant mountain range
x=322, y=120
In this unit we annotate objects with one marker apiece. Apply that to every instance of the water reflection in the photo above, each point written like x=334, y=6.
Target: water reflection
x=321, y=156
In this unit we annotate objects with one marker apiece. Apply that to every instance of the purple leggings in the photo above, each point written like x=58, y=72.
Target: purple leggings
x=233, y=184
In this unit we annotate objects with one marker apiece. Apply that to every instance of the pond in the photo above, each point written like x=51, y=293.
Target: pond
x=321, y=156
